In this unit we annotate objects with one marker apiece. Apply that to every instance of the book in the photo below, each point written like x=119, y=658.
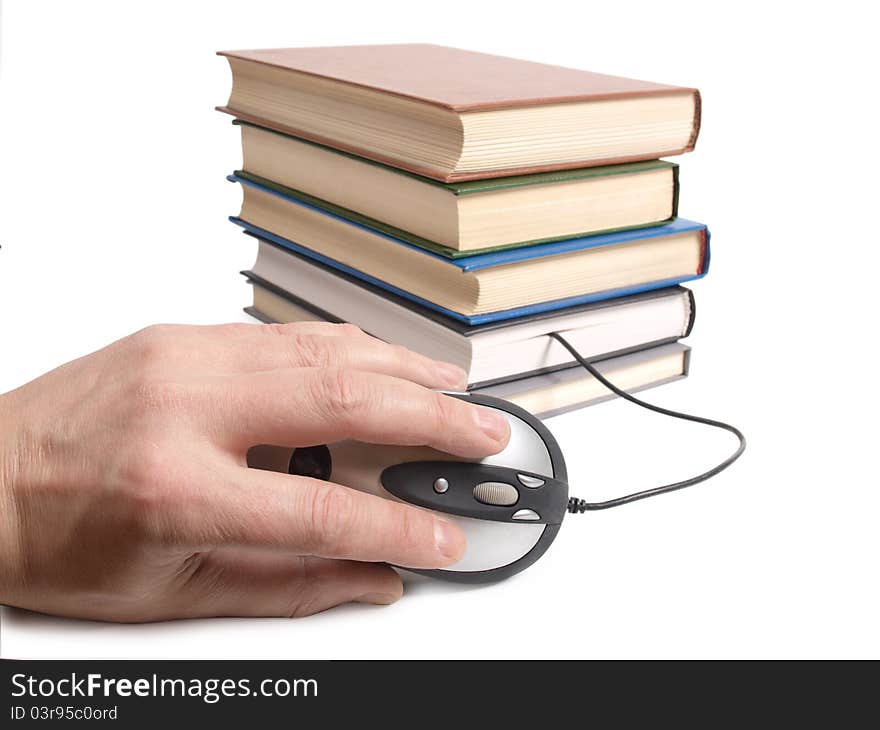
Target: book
x=290, y=288
x=487, y=286
x=566, y=390
x=544, y=392
x=452, y=114
x=469, y=215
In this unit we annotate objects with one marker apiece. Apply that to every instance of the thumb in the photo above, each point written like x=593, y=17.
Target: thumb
x=238, y=583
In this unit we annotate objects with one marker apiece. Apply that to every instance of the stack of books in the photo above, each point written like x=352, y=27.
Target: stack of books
x=466, y=205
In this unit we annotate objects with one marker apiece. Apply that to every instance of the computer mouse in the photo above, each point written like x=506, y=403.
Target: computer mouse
x=509, y=505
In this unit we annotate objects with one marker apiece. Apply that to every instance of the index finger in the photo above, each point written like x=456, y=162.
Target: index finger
x=309, y=406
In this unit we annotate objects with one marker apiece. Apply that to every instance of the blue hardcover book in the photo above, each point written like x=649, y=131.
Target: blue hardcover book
x=487, y=287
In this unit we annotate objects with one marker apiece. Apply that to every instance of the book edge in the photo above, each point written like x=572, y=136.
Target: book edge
x=399, y=234
x=659, y=90
x=439, y=175
x=483, y=185
x=259, y=315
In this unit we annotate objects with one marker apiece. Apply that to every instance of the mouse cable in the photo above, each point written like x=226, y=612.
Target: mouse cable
x=579, y=506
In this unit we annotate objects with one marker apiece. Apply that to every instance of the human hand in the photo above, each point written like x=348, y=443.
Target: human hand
x=125, y=493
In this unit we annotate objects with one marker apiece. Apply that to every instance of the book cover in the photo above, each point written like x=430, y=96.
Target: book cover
x=484, y=260
x=312, y=312
x=482, y=185
x=452, y=81
x=453, y=78
x=475, y=260
x=450, y=323
x=468, y=188
x=526, y=392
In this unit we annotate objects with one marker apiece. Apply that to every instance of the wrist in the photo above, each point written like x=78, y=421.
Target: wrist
x=11, y=474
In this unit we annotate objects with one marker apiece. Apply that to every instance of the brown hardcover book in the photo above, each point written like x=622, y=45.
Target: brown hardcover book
x=451, y=114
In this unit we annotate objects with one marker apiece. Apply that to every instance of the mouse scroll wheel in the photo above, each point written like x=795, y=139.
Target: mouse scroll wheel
x=499, y=494
x=311, y=461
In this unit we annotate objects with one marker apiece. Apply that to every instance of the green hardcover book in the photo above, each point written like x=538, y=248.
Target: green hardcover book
x=457, y=218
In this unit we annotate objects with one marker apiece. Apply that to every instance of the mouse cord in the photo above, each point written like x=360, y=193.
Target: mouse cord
x=578, y=506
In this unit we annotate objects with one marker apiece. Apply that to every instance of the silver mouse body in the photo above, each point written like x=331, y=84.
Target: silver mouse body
x=509, y=505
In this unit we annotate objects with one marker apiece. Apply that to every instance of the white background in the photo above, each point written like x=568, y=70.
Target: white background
x=113, y=212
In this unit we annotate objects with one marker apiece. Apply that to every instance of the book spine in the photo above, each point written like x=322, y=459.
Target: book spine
x=706, y=256
x=675, y=192
x=698, y=116
x=253, y=278
x=686, y=365
x=692, y=309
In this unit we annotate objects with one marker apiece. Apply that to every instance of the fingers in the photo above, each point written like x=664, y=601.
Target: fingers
x=226, y=348
x=248, y=583
x=299, y=515
x=310, y=406
x=315, y=349
x=245, y=348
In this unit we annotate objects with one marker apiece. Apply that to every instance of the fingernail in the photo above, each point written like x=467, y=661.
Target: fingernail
x=493, y=424
x=379, y=599
x=448, y=539
x=451, y=375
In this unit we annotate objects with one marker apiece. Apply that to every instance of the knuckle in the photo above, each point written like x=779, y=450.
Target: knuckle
x=310, y=350
x=154, y=343
x=232, y=329
x=148, y=469
x=400, y=354
x=412, y=531
x=347, y=329
x=305, y=605
x=328, y=515
x=286, y=329
x=278, y=328
x=151, y=477
x=305, y=593
x=443, y=411
x=344, y=393
x=138, y=468
x=282, y=329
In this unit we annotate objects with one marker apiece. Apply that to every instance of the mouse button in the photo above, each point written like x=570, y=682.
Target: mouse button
x=474, y=490
x=526, y=450
x=528, y=515
x=493, y=545
x=530, y=482
x=499, y=494
x=461, y=485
